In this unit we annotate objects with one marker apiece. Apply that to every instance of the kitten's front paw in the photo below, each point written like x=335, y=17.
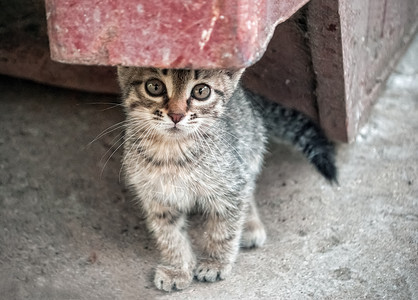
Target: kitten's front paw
x=254, y=234
x=212, y=271
x=169, y=278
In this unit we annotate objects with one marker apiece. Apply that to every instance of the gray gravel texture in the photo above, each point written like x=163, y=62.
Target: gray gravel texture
x=69, y=230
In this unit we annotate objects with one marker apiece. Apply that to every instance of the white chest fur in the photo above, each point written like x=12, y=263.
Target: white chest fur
x=168, y=182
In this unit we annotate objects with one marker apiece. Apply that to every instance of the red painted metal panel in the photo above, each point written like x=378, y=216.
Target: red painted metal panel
x=176, y=34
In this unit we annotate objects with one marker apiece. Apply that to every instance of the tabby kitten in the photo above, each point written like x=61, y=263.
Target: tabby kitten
x=195, y=140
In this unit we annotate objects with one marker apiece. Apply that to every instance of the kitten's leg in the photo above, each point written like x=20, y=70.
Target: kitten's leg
x=254, y=234
x=221, y=243
x=168, y=227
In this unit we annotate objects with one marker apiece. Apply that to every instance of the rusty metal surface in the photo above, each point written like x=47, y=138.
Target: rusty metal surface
x=161, y=33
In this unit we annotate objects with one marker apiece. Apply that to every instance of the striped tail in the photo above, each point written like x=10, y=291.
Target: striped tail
x=294, y=127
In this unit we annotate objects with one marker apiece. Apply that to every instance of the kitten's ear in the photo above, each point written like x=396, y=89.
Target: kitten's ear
x=235, y=75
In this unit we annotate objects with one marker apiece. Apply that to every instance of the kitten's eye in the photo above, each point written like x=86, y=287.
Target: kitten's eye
x=201, y=91
x=155, y=87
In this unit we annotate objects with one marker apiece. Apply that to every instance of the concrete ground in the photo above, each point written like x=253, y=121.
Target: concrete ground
x=69, y=230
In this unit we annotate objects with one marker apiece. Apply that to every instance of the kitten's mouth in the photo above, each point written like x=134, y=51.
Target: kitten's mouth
x=174, y=130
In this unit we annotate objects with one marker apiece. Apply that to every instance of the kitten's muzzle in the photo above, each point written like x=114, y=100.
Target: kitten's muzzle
x=176, y=117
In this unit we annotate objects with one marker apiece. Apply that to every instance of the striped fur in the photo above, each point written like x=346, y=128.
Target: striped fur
x=292, y=126
x=183, y=154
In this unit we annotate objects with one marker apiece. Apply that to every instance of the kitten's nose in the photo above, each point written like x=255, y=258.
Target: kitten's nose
x=176, y=117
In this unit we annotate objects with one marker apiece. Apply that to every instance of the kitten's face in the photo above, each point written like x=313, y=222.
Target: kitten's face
x=176, y=103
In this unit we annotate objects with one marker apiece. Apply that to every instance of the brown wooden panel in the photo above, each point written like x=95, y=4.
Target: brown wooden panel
x=354, y=46
x=374, y=35
x=325, y=40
